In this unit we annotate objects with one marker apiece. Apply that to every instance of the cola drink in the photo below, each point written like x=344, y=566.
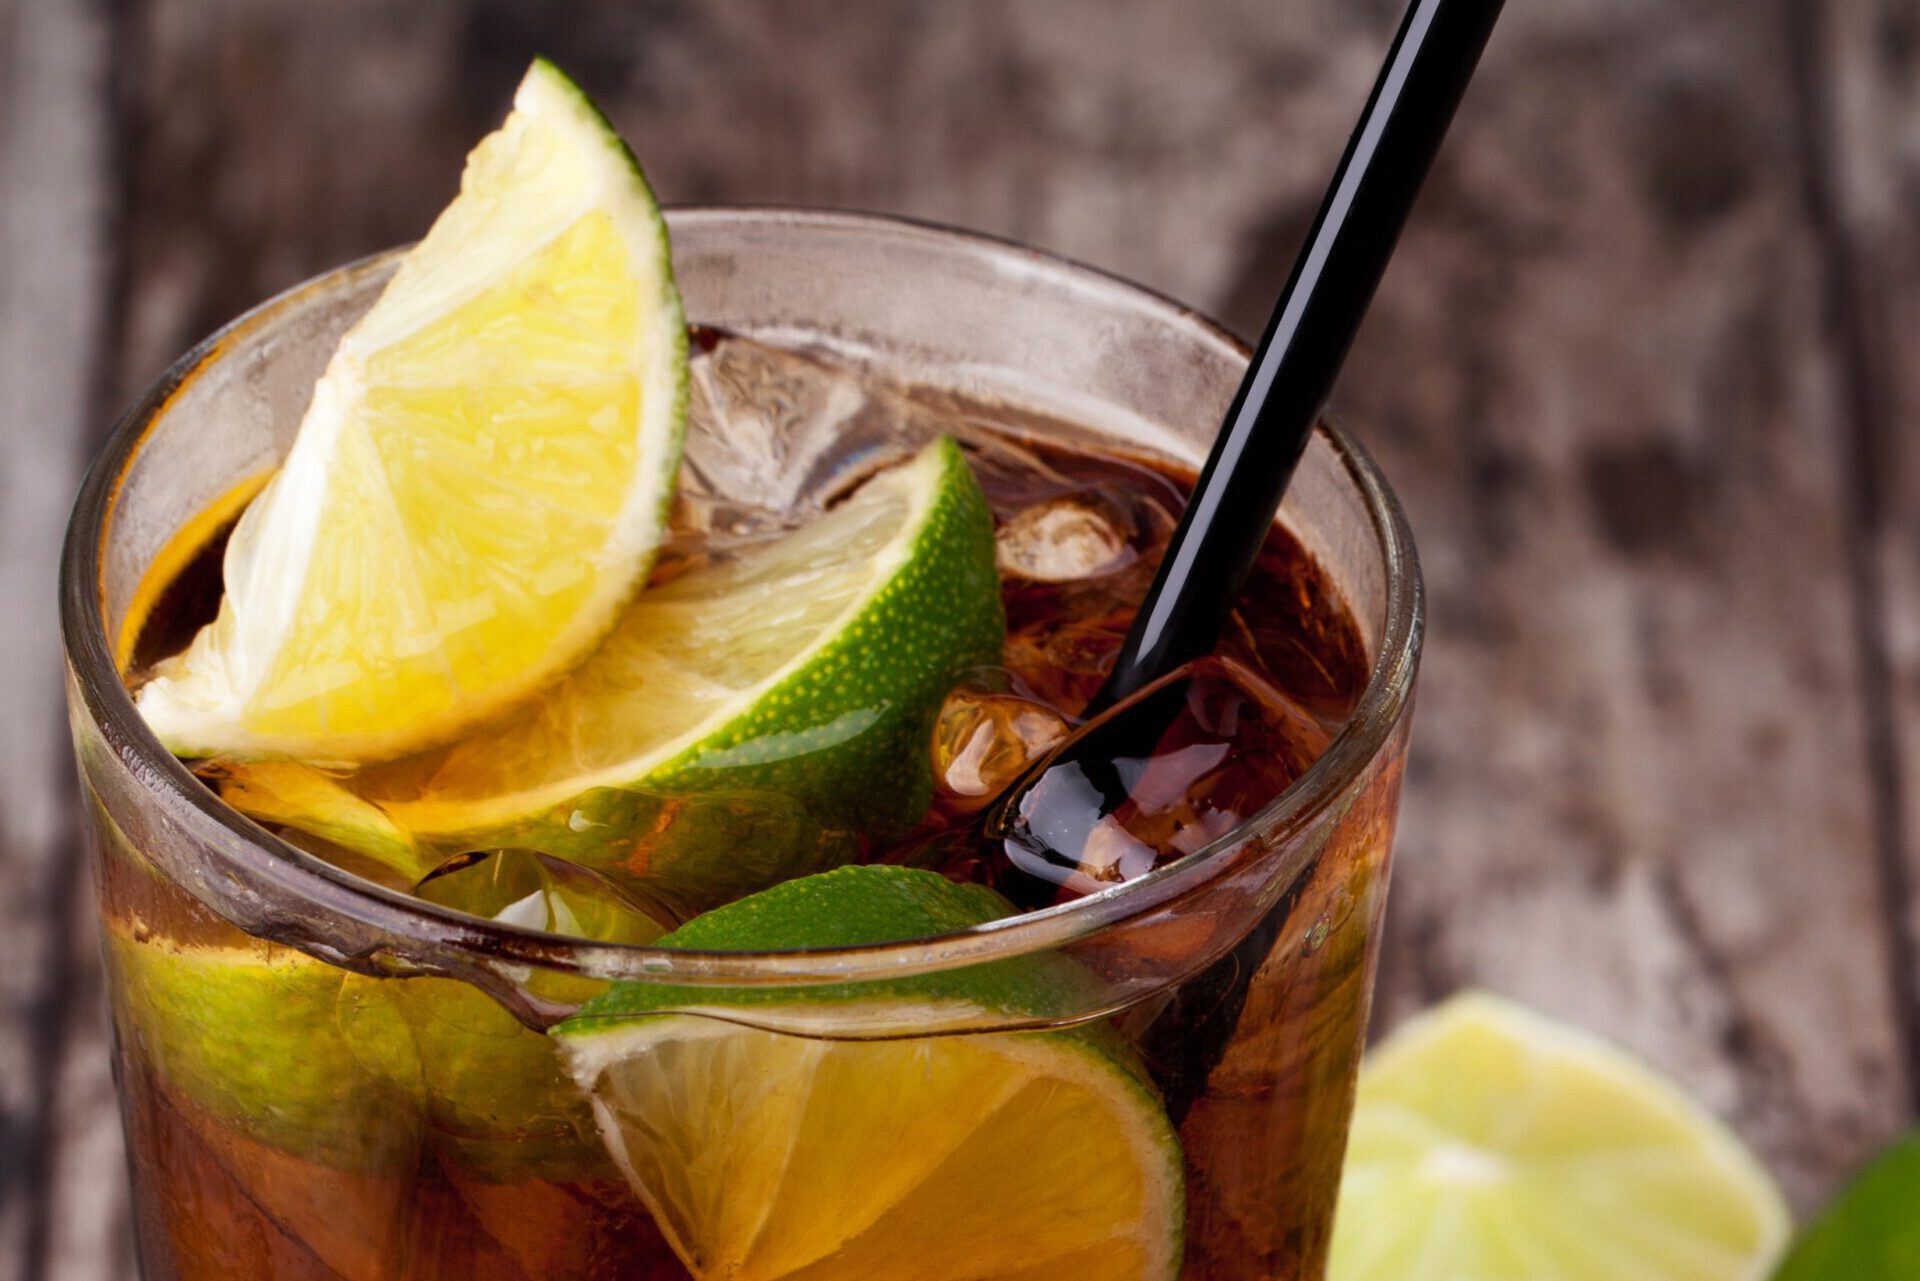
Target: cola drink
x=321, y=1081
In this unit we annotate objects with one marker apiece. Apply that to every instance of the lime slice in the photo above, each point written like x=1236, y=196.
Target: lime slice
x=997, y=1154
x=301, y=1092
x=481, y=478
x=499, y=1107
x=249, y=1036
x=1489, y=1143
x=741, y=722
x=349, y=1072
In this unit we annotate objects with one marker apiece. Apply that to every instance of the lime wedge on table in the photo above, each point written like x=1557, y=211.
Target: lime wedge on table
x=482, y=476
x=996, y=1154
x=794, y=684
x=1490, y=1144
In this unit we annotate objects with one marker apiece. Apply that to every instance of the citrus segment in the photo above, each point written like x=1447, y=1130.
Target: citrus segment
x=763, y=1154
x=354, y=1073
x=481, y=478
x=744, y=720
x=249, y=1035
x=1491, y=1143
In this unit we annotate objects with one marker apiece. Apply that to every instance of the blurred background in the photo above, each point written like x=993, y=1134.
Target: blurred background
x=1641, y=374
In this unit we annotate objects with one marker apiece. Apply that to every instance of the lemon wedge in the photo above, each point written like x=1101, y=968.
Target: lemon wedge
x=482, y=476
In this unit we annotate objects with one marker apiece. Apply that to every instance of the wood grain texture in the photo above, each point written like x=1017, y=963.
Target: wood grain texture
x=1602, y=381
x=84, y=1197
x=1638, y=372
x=1864, y=82
x=54, y=139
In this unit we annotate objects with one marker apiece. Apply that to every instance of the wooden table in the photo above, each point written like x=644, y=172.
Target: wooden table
x=1639, y=374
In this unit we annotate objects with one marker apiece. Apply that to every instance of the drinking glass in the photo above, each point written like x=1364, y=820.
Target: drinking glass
x=321, y=1077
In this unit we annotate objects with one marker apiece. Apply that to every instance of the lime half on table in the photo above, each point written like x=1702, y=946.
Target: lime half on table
x=481, y=479
x=1490, y=1144
x=762, y=1155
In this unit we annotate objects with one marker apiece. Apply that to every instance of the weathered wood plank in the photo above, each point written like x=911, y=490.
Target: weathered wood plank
x=85, y=1229
x=268, y=141
x=1640, y=797
x=53, y=168
x=276, y=138
x=1643, y=796
x=1863, y=76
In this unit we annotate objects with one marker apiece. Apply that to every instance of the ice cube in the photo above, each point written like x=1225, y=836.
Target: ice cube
x=1168, y=772
x=984, y=741
x=1074, y=536
x=1063, y=659
x=1077, y=565
x=774, y=435
x=541, y=892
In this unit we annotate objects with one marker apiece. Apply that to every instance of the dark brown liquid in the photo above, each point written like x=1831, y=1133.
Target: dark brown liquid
x=1290, y=625
x=1238, y=729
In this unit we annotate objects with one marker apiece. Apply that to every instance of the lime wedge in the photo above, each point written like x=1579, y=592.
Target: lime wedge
x=482, y=476
x=249, y=1035
x=997, y=1154
x=352, y=1073
x=793, y=685
x=1489, y=1143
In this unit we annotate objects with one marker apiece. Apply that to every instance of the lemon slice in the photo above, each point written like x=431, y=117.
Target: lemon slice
x=1490, y=1144
x=793, y=684
x=1036, y=1155
x=482, y=476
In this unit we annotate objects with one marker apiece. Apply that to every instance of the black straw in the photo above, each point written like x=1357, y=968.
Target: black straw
x=1274, y=412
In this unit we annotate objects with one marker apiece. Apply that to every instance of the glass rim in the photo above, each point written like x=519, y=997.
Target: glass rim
x=438, y=929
